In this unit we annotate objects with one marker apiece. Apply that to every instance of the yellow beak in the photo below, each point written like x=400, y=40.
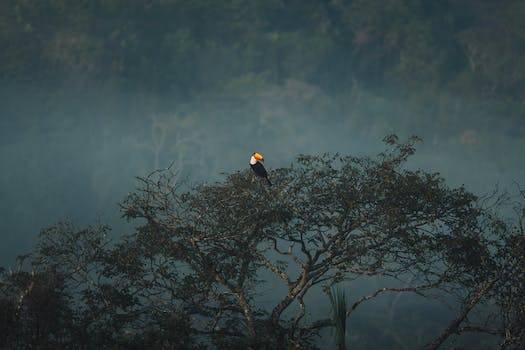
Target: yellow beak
x=258, y=156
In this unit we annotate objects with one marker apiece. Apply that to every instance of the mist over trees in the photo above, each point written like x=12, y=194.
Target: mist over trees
x=193, y=272
x=93, y=93
x=445, y=70
x=198, y=47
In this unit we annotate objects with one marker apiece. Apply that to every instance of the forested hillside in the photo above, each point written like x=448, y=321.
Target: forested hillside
x=189, y=48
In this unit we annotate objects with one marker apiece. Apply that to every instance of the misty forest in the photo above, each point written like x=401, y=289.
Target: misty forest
x=391, y=133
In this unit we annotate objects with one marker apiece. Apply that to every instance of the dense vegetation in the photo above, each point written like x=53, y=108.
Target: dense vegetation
x=436, y=68
x=449, y=71
x=196, y=270
x=193, y=47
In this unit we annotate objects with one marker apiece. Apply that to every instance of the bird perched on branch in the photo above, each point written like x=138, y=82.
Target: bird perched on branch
x=258, y=167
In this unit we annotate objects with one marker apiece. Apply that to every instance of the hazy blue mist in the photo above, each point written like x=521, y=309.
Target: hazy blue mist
x=95, y=93
x=74, y=155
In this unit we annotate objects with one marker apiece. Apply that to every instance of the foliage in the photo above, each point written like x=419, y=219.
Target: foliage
x=339, y=307
x=190, y=275
x=189, y=48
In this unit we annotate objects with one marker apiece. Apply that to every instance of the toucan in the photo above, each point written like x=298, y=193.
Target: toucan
x=258, y=167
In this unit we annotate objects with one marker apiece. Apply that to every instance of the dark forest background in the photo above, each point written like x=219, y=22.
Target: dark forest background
x=471, y=49
x=94, y=93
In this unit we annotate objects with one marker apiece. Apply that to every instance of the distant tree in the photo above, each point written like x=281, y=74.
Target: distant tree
x=36, y=310
x=192, y=273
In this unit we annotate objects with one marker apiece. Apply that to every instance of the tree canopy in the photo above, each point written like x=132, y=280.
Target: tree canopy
x=193, y=271
x=195, y=47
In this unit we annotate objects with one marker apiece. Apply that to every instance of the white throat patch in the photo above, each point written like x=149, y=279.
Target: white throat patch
x=253, y=160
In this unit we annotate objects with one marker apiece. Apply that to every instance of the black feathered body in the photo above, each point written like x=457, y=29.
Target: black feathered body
x=260, y=171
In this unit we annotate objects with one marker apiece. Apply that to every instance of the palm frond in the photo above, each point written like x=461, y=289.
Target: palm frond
x=338, y=301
